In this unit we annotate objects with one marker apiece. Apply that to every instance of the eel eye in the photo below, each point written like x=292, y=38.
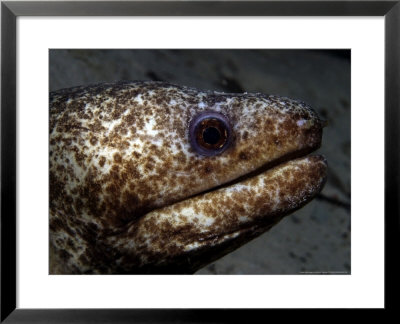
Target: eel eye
x=210, y=133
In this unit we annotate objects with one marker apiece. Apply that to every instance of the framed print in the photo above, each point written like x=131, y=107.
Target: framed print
x=154, y=151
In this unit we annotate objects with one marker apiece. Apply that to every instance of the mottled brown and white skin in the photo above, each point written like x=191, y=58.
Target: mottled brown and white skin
x=130, y=194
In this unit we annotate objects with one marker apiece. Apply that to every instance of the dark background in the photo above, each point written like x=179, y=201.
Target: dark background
x=317, y=237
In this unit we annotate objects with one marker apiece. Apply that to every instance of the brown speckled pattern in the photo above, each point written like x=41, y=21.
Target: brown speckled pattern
x=122, y=172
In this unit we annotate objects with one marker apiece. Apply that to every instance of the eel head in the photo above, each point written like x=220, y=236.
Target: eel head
x=148, y=177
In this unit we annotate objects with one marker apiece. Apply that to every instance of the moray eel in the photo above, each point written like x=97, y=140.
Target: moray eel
x=149, y=177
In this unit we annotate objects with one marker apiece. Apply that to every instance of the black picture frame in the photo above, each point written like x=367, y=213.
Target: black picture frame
x=10, y=10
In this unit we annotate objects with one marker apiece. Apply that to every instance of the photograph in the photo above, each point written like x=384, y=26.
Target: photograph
x=154, y=152
x=200, y=161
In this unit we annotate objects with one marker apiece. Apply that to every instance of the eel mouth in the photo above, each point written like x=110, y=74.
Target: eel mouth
x=191, y=233
x=205, y=227
x=298, y=177
x=264, y=168
x=242, y=209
